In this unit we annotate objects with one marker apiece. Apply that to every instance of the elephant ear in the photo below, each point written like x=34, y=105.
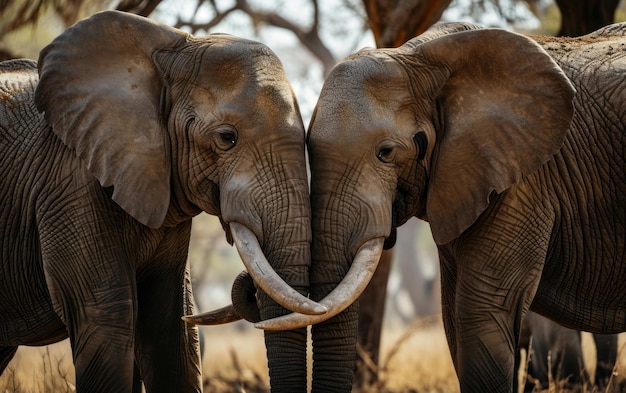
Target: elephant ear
x=505, y=108
x=101, y=93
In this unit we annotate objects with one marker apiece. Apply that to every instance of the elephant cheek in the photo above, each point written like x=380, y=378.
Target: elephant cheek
x=236, y=205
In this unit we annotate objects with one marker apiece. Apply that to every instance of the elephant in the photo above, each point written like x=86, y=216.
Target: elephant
x=542, y=337
x=110, y=143
x=512, y=148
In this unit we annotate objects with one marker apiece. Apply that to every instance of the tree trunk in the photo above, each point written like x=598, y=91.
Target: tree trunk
x=583, y=17
x=371, y=312
x=395, y=22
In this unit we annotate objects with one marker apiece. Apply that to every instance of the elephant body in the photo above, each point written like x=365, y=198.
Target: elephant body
x=556, y=352
x=512, y=148
x=109, y=145
x=63, y=237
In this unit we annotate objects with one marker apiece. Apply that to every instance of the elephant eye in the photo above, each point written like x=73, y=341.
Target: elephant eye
x=225, y=137
x=385, y=152
x=422, y=144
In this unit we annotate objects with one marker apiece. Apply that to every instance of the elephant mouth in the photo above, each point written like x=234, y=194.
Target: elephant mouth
x=266, y=278
x=347, y=292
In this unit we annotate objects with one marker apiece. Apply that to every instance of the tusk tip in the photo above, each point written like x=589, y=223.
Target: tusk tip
x=189, y=319
x=270, y=324
x=314, y=308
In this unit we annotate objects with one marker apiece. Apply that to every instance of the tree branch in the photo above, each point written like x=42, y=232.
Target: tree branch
x=309, y=38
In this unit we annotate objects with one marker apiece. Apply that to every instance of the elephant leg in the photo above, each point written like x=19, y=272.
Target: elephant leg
x=137, y=384
x=102, y=343
x=6, y=354
x=486, y=351
x=556, y=354
x=166, y=348
x=99, y=314
x=483, y=308
x=606, y=352
x=541, y=347
x=448, y=296
x=523, y=343
x=567, y=361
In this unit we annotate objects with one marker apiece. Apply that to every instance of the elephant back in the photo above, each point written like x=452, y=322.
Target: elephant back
x=18, y=79
x=600, y=53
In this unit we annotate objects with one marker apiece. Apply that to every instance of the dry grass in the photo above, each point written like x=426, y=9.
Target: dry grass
x=413, y=359
x=46, y=369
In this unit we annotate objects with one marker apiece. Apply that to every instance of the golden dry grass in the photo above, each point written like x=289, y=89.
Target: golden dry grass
x=413, y=359
x=46, y=369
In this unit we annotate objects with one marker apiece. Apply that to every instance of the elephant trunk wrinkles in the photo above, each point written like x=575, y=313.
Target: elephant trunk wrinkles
x=333, y=353
x=336, y=236
x=287, y=246
x=286, y=350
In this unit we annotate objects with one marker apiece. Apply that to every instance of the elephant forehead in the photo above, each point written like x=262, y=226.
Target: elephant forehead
x=356, y=120
x=363, y=94
x=276, y=100
x=230, y=60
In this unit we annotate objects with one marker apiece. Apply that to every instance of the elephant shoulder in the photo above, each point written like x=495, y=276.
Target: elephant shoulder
x=17, y=75
x=18, y=80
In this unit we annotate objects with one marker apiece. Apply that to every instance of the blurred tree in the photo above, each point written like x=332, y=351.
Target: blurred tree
x=309, y=36
x=395, y=22
x=582, y=17
x=391, y=22
x=26, y=15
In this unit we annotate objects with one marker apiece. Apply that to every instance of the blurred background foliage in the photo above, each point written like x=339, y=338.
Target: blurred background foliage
x=310, y=36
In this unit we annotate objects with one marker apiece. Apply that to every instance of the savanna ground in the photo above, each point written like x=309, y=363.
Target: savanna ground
x=414, y=359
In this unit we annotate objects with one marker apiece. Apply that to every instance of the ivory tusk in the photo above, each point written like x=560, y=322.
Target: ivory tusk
x=226, y=314
x=243, y=295
x=266, y=277
x=346, y=293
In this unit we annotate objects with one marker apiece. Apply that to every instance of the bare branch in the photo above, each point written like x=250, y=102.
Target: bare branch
x=309, y=38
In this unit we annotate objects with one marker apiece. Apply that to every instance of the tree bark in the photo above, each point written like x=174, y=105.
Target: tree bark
x=583, y=17
x=371, y=312
x=395, y=22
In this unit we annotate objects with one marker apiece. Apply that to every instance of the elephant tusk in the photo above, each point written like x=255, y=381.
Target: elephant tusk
x=266, y=277
x=226, y=314
x=346, y=293
x=244, y=305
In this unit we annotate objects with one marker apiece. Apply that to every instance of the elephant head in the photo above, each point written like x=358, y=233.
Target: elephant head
x=173, y=125
x=432, y=129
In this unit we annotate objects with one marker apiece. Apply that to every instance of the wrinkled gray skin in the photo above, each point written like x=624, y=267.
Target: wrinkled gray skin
x=144, y=127
x=546, y=338
x=469, y=129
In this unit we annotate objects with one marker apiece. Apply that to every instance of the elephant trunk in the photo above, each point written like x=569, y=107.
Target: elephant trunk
x=334, y=339
x=340, y=297
x=350, y=221
x=266, y=278
x=348, y=237
x=266, y=205
x=244, y=305
x=286, y=243
x=286, y=350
